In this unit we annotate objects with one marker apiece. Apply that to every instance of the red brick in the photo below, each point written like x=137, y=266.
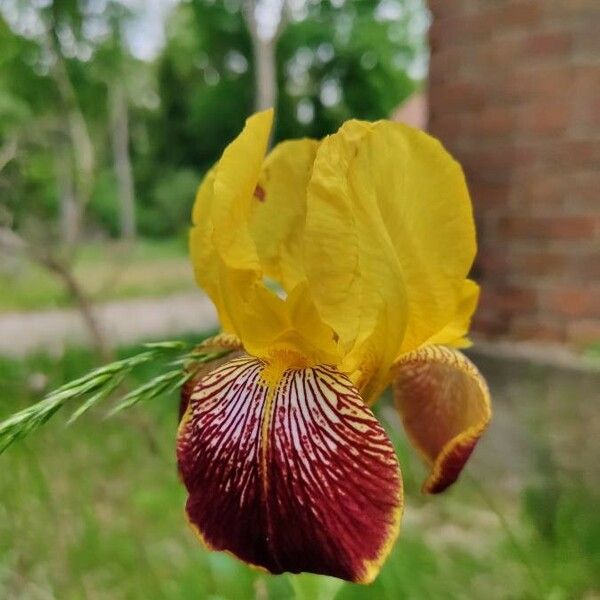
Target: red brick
x=491, y=164
x=509, y=299
x=551, y=81
x=586, y=98
x=490, y=324
x=588, y=40
x=577, y=8
x=595, y=110
x=443, y=8
x=450, y=125
x=574, y=302
x=464, y=28
x=487, y=227
x=540, y=192
x=583, y=332
x=584, y=265
x=496, y=120
x=516, y=99
x=520, y=14
x=545, y=117
x=538, y=263
x=447, y=63
x=567, y=227
x=538, y=329
x=568, y=154
x=525, y=155
x=490, y=263
x=548, y=45
x=585, y=195
x=502, y=51
x=460, y=95
x=487, y=194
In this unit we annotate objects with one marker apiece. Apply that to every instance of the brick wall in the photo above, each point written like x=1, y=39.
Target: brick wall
x=515, y=95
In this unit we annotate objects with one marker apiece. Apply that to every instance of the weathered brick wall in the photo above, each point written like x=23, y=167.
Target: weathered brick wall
x=515, y=95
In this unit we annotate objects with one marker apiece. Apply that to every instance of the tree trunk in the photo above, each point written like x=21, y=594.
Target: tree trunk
x=122, y=162
x=84, y=304
x=264, y=50
x=81, y=141
x=70, y=208
x=265, y=73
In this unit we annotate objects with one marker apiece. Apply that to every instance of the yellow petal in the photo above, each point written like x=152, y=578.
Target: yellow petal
x=389, y=241
x=354, y=274
x=228, y=260
x=236, y=176
x=455, y=332
x=220, y=233
x=444, y=404
x=278, y=217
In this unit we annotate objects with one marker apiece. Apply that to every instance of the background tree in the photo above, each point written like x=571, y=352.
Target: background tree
x=115, y=66
x=334, y=61
x=98, y=143
x=265, y=21
x=54, y=137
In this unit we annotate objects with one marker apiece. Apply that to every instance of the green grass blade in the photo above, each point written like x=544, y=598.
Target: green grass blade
x=98, y=384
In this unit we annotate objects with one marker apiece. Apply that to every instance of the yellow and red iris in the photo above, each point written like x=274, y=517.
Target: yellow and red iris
x=337, y=268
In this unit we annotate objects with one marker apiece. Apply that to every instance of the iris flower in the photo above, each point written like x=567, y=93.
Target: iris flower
x=337, y=268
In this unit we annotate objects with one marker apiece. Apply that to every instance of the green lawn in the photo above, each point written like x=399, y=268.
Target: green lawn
x=95, y=510
x=107, y=271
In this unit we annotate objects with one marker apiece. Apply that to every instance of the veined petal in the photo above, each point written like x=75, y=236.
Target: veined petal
x=289, y=470
x=445, y=406
x=218, y=343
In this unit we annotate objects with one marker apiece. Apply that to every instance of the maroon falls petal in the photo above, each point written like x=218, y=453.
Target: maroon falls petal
x=297, y=476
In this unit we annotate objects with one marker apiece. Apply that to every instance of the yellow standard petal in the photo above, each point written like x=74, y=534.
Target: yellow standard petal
x=445, y=407
x=389, y=242
x=278, y=217
x=232, y=256
x=219, y=239
x=352, y=269
x=455, y=332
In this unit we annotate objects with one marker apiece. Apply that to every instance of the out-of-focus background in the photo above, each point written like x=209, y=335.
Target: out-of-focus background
x=111, y=111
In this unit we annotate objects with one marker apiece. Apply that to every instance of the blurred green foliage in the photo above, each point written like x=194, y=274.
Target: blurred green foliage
x=335, y=60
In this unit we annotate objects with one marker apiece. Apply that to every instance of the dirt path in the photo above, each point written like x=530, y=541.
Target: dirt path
x=124, y=321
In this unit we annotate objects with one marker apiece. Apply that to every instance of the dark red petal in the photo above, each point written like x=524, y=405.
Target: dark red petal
x=295, y=477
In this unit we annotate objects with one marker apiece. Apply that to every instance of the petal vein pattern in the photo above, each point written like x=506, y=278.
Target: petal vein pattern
x=297, y=476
